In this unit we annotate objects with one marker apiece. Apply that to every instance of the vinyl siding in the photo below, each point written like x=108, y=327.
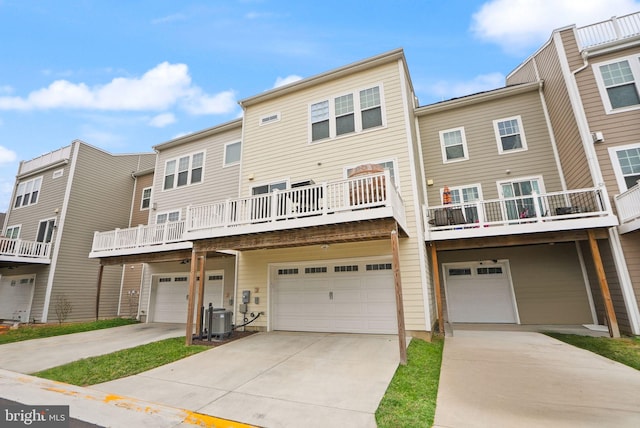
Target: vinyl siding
x=613, y=282
x=485, y=166
x=100, y=181
x=282, y=151
x=253, y=269
x=138, y=215
x=131, y=282
x=226, y=264
x=218, y=183
x=547, y=281
x=631, y=247
x=570, y=149
x=525, y=74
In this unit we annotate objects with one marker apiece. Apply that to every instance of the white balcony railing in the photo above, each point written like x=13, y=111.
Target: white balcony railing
x=612, y=30
x=354, y=197
x=21, y=248
x=537, y=209
x=628, y=207
x=141, y=236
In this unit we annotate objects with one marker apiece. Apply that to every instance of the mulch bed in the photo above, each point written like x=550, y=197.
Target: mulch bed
x=235, y=335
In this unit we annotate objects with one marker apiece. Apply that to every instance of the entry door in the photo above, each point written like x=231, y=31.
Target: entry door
x=16, y=294
x=480, y=292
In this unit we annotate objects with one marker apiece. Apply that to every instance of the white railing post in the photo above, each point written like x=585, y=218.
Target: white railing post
x=226, y=215
x=536, y=205
x=325, y=198
x=139, y=235
x=480, y=211
x=188, y=221
x=388, y=185
x=116, y=244
x=274, y=204
x=95, y=241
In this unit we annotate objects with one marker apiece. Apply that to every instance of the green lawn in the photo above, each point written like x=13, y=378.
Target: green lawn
x=93, y=370
x=410, y=400
x=36, y=331
x=623, y=350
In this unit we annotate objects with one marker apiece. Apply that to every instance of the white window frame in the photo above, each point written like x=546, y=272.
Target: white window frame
x=32, y=185
x=541, y=189
x=459, y=189
x=226, y=163
x=268, y=119
x=634, y=64
x=276, y=184
x=617, y=169
x=189, y=170
x=143, y=198
x=357, y=113
x=17, y=227
x=443, y=147
x=523, y=139
x=50, y=226
x=168, y=215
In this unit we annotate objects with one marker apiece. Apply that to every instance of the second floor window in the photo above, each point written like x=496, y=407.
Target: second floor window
x=620, y=84
x=232, y=153
x=509, y=134
x=183, y=171
x=146, y=198
x=13, y=232
x=28, y=192
x=626, y=165
x=346, y=114
x=454, y=145
x=167, y=217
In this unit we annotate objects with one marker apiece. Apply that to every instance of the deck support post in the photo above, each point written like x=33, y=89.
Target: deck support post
x=436, y=285
x=99, y=289
x=402, y=336
x=203, y=260
x=191, y=297
x=612, y=321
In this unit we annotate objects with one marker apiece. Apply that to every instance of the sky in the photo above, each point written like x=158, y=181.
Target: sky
x=125, y=76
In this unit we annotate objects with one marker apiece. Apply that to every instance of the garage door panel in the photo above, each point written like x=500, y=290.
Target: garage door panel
x=15, y=297
x=353, y=302
x=170, y=298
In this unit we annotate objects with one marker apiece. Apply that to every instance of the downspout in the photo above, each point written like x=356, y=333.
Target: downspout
x=622, y=270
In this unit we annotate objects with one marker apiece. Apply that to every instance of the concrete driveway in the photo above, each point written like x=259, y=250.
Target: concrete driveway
x=31, y=356
x=276, y=379
x=525, y=379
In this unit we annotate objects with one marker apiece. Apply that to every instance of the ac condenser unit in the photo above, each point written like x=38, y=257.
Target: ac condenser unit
x=221, y=323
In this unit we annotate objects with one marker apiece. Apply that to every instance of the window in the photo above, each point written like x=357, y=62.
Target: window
x=45, y=230
x=146, y=198
x=454, y=145
x=371, y=107
x=183, y=171
x=626, y=165
x=517, y=206
x=466, y=195
x=509, y=134
x=13, y=232
x=268, y=188
x=320, y=121
x=459, y=271
x=618, y=83
x=345, y=119
x=390, y=165
x=346, y=114
x=232, y=153
x=167, y=217
x=27, y=193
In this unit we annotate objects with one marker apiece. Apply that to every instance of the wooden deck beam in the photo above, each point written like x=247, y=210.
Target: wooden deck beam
x=614, y=330
x=402, y=334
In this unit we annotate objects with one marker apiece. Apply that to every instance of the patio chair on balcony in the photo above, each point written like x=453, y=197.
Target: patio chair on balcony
x=457, y=216
x=440, y=217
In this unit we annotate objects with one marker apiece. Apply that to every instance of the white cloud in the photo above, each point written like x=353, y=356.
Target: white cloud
x=6, y=89
x=169, y=18
x=158, y=89
x=7, y=156
x=519, y=25
x=200, y=103
x=162, y=120
x=281, y=81
x=446, y=89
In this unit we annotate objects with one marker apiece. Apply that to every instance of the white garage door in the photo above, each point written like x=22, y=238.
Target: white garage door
x=170, y=292
x=16, y=293
x=480, y=293
x=348, y=297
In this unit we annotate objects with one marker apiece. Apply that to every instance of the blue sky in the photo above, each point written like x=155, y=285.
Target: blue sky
x=124, y=76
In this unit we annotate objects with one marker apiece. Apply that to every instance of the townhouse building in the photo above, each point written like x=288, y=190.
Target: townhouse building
x=59, y=199
x=592, y=81
x=339, y=204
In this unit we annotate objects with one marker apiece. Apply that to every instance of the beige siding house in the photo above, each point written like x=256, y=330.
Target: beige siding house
x=592, y=82
x=59, y=200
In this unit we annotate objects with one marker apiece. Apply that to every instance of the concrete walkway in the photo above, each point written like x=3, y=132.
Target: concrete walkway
x=31, y=356
x=525, y=379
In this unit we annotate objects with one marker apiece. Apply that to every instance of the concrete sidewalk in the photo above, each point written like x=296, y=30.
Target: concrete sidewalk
x=31, y=356
x=524, y=379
